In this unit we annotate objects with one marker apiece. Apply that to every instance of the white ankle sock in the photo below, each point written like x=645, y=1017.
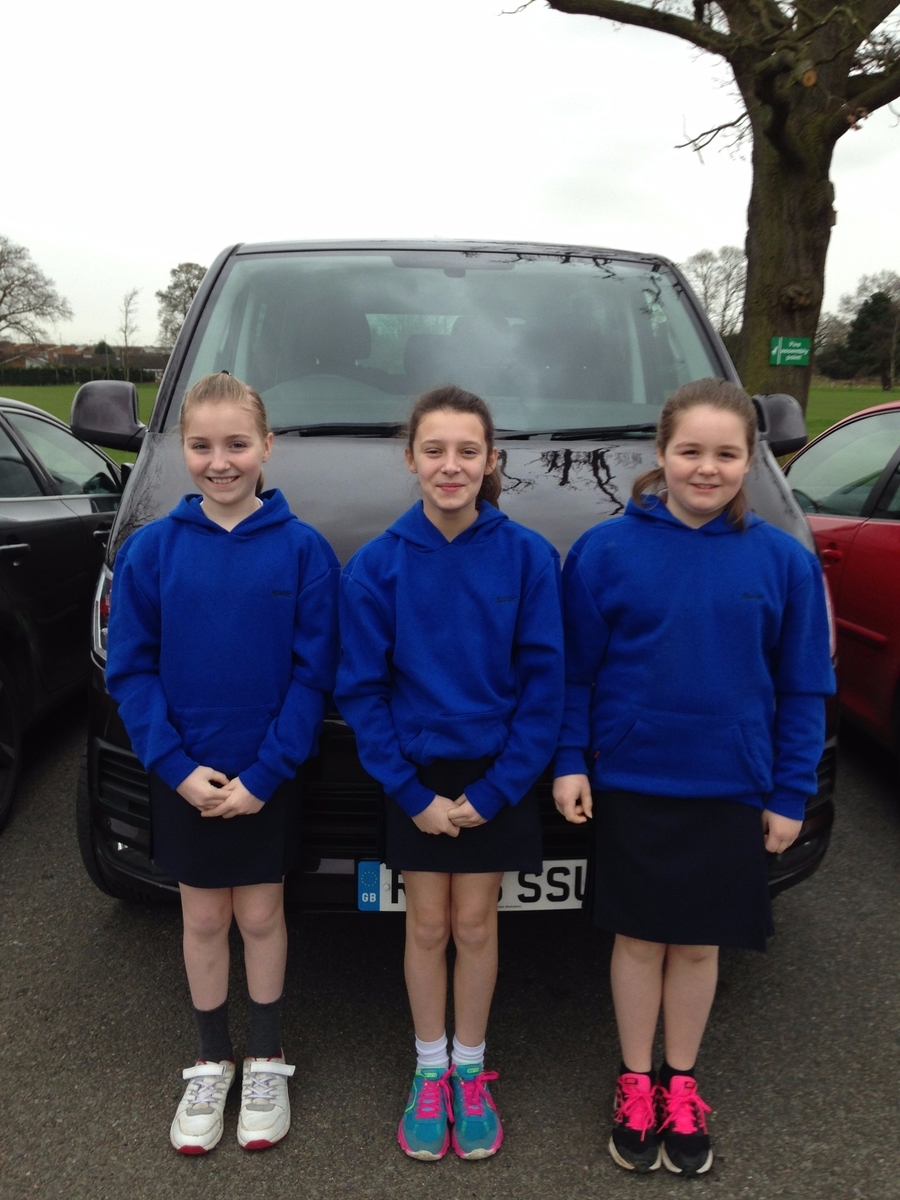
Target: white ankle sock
x=463, y=1055
x=432, y=1054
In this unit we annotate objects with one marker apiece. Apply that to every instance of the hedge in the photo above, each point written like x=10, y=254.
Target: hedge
x=45, y=376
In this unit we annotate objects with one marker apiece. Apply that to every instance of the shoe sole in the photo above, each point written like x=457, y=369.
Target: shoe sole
x=263, y=1143
x=640, y=1168
x=195, y=1147
x=479, y=1152
x=423, y=1155
x=670, y=1166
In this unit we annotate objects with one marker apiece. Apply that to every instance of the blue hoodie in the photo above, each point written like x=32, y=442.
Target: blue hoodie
x=223, y=645
x=696, y=660
x=453, y=649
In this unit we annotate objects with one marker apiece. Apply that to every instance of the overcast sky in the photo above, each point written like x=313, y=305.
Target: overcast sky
x=140, y=136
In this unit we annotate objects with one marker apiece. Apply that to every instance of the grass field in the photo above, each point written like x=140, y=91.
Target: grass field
x=826, y=404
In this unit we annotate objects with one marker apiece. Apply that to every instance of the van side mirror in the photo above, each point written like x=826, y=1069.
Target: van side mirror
x=105, y=412
x=781, y=422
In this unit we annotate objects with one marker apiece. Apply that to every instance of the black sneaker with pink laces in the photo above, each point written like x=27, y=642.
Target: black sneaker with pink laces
x=634, y=1144
x=681, y=1117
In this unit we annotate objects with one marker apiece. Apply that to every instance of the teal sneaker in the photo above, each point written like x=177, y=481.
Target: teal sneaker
x=477, y=1132
x=423, y=1131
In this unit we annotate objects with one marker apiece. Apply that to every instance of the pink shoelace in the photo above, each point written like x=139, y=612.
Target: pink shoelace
x=635, y=1106
x=685, y=1111
x=434, y=1096
x=473, y=1093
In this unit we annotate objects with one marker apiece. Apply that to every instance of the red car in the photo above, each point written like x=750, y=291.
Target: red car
x=847, y=481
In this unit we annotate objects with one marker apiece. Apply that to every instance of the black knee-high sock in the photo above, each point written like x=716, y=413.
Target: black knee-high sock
x=264, y=1038
x=212, y=1029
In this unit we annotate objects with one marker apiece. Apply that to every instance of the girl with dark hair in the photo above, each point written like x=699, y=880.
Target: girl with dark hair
x=452, y=679
x=697, y=662
x=222, y=650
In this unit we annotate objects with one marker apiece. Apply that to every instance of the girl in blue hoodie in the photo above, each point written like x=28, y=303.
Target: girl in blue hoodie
x=452, y=679
x=697, y=662
x=222, y=649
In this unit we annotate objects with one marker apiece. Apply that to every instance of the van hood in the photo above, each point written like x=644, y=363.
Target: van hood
x=352, y=489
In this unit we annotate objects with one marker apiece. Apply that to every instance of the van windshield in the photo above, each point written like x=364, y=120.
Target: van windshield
x=347, y=339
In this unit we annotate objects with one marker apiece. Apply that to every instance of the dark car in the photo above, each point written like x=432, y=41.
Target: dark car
x=575, y=348
x=847, y=481
x=58, y=498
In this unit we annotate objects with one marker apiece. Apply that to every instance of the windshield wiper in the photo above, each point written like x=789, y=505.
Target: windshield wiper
x=574, y=435
x=382, y=429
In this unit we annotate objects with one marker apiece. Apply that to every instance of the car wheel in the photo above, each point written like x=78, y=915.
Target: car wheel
x=120, y=888
x=10, y=742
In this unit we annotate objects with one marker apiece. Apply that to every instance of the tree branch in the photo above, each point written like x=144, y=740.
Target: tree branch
x=702, y=140
x=696, y=32
x=880, y=90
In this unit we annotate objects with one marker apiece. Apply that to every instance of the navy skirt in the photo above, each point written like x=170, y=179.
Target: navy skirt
x=689, y=872
x=210, y=852
x=510, y=841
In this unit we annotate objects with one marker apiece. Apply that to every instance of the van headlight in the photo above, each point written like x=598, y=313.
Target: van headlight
x=100, y=620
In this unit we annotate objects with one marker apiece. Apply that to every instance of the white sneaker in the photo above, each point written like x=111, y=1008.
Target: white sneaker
x=265, y=1107
x=197, y=1127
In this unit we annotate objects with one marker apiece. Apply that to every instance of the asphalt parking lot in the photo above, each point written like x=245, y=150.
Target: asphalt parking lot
x=799, y=1060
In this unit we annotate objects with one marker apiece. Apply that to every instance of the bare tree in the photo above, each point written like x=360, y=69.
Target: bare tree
x=129, y=327
x=806, y=73
x=28, y=298
x=719, y=281
x=175, y=300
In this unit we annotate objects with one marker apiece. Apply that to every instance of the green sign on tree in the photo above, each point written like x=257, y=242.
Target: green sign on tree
x=789, y=352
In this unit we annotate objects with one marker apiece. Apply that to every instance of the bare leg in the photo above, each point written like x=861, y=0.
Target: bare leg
x=259, y=912
x=473, y=916
x=207, y=914
x=637, y=984
x=425, y=960
x=688, y=991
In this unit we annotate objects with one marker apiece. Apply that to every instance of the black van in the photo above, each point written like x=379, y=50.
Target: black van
x=575, y=348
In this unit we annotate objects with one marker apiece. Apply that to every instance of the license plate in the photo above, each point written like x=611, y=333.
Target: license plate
x=560, y=885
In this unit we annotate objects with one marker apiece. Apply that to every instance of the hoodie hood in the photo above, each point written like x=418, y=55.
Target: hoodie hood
x=415, y=528
x=274, y=511
x=654, y=509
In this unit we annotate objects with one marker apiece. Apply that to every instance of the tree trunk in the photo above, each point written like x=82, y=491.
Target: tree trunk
x=789, y=227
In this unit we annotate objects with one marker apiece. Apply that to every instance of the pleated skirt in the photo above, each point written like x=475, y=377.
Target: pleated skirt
x=681, y=871
x=211, y=852
x=510, y=841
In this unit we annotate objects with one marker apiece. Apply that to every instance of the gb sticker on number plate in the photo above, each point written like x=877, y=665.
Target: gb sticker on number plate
x=559, y=885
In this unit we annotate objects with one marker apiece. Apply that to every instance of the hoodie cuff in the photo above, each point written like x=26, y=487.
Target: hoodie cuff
x=486, y=799
x=570, y=761
x=787, y=804
x=173, y=768
x=260, y=781
x=413, y=797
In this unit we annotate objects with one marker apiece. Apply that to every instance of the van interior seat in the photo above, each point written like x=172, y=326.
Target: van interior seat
x=560, y=358
x=334, y=341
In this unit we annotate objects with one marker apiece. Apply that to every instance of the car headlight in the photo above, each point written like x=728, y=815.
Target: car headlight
x=100, y=620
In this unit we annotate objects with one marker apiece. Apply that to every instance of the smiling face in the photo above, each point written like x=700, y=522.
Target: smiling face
x=451, y=458
x=705, y=462
x=224, y=451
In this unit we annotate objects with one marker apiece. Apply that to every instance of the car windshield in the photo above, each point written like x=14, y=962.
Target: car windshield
x=344, y=340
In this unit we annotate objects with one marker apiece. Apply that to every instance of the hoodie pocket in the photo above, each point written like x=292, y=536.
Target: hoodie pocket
x=227, y=739
x=691, y=751
x=461, y=735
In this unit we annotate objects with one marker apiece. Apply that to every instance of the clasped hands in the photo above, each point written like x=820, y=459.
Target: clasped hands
x=215, y=795
x=448, y=816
